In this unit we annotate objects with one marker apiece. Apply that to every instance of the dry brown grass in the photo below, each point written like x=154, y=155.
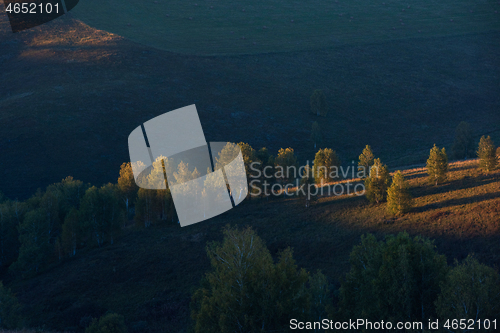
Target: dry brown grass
x=467, y=204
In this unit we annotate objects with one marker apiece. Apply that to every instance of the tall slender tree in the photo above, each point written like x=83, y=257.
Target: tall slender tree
x=102, y=213
x=286, y=166
x=399, y=200
x=126, y=184
x=377, y=182
x=437, y=165
x=326, y=166
x=154, y=204
x=487, y=154
x=366, y=160
x=471, y=291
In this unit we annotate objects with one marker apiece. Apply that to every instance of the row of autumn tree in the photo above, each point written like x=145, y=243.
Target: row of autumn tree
x=71, y=215
x=379, y=187
x=398, y=279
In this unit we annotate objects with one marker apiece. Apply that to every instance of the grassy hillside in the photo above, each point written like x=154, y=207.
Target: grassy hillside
x=215, y=27
x=72, y=94
x=148, y=275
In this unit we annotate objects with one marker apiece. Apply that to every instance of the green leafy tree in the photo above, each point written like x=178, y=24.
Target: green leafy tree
x=320, y=303
x=471, y=291
x=34, y=237
x=463, y=146
x=487, y=154
x=126, y=184
x=246, y=291
x=10, y=309
x=285, y=165
x=326, y=164
x=316, y=136
x=109, y=323
x=399, y=199
x=71, y=193
x=55, y=203
x=437, y=165
x=377, y=183
x=366, y=160
x=397, y=279
x=318, y=103
x=102, y=213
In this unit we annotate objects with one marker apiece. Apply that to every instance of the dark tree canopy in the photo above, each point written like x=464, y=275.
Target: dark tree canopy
x=246, y=291
x=471, y=291
x=397, y=279
x=318, y=103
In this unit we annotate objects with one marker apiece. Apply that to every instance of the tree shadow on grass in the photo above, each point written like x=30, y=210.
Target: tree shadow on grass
x=456, y=202
x=456, y=185
x=423, y=173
